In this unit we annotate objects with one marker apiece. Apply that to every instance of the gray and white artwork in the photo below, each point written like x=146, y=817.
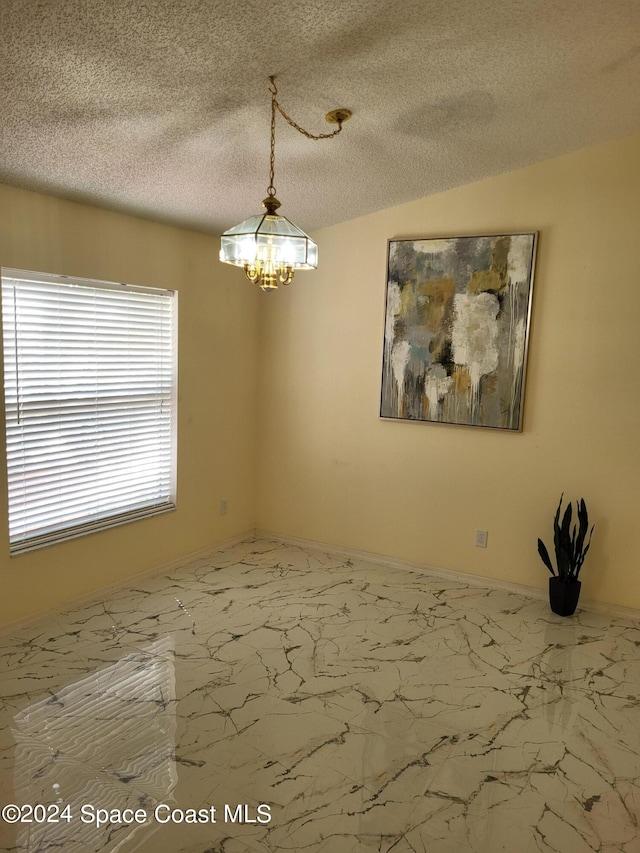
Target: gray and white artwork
x=456, y=329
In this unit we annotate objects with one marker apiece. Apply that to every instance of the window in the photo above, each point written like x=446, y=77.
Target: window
x=90, y=402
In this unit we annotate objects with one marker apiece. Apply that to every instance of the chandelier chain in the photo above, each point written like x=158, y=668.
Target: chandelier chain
x=275, y=105
x=271, y=190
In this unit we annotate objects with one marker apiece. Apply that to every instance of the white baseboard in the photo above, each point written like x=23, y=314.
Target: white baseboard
x=472, y=580
x=125, y=583
x=339, y=550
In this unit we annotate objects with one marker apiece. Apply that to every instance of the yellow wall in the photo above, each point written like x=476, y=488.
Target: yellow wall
x=332, y=471
x=216, y=412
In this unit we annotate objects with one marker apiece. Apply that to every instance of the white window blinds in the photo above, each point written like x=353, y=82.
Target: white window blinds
x=90, y=399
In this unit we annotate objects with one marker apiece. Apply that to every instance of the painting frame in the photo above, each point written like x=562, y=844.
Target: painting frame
x=456, y=329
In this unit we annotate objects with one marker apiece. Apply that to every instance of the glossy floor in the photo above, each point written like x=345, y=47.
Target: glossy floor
x=271, y=698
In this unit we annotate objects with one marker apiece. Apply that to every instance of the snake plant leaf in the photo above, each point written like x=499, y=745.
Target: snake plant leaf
x=544, y=555
x=569, y=538
x=556, y=527
x=564, y=564
x=583, y=554
x=563, y=548
x=583, y=518
x=565, y=530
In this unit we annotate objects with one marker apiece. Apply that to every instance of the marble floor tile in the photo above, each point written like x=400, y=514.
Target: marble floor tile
x=269, y=698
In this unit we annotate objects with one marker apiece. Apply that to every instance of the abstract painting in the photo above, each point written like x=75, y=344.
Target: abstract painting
x=456, y=329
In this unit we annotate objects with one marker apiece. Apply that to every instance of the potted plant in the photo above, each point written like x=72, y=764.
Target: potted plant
x=571, y=545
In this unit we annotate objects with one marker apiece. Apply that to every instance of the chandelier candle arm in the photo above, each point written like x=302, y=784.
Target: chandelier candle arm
x=269, y=247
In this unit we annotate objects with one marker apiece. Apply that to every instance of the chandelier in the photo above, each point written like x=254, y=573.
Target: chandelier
x=269, y=247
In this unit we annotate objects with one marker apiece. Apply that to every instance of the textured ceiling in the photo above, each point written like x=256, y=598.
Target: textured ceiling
x=161, y=107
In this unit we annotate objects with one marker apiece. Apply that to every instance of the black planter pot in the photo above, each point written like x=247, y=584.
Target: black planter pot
x=563, y=596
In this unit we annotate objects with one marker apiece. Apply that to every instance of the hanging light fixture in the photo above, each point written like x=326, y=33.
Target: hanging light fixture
x=268, y=246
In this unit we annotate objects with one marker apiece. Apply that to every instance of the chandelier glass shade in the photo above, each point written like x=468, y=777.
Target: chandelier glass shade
x=269, y=247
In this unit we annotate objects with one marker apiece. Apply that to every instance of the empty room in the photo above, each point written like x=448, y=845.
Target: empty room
x=319, y=503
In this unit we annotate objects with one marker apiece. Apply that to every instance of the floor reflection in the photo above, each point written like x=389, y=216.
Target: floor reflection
x=104, y=742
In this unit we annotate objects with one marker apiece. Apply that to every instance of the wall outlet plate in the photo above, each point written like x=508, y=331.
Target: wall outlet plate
x=481, y=538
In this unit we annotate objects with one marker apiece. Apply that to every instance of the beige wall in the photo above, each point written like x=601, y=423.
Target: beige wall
x=217, y=410
x=331, y=471
x=327, y=467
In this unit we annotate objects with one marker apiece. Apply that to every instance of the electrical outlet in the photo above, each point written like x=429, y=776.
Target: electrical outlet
x=481, y=538
x=224, y=506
